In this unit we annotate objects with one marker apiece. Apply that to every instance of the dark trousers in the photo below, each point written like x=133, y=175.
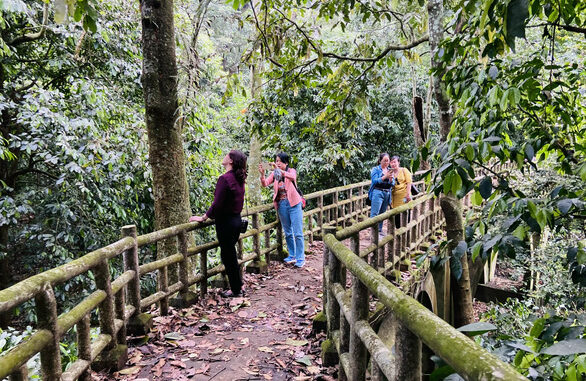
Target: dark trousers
x=228, y=231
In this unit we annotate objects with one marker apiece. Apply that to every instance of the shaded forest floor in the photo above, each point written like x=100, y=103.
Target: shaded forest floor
x=267, y=335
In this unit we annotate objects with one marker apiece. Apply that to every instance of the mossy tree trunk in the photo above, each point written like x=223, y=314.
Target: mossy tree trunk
x=166, y=156
x=255, y=156
x=451, y=205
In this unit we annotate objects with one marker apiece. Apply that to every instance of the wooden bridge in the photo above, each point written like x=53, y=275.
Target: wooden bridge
x=396, y=346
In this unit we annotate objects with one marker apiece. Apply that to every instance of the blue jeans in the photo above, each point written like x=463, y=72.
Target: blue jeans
x=292, y=222
x=379, y=204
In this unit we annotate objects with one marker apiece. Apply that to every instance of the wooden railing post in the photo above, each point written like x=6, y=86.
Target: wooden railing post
x=331, y=275
x=258, y=266
x=256, y=239
x=186, y=297
x=20, y=375
x=131, y=264
x=358, y=352
x=310, y=228
x=203, y=268
x=46, y=309
x=360, y=202
x=164, y=287
x=140, y=323
x=107, y=306
x=333, y=308
x=120, y=311
x=320, y=216
x=337, y=206
x=84, y=345
x=114, y=356
x=391, y=244
x=280, y=243
x=267, y=235
x=375, y=239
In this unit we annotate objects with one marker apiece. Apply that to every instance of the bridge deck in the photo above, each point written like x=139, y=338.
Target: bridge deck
x=264, y=336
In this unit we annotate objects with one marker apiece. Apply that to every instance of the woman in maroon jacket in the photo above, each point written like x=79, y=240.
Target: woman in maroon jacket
x=225, y=210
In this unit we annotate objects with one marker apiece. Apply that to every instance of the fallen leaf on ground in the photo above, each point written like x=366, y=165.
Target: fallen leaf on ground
x=204, y=368
x=313, y=369
x=174, y=336
x=304, y=360
x=297, y=343
x=180, y=364
x=265, y=349
x=251, y=372
x=131, y=370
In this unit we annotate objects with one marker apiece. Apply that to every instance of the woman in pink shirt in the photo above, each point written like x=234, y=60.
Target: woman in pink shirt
x=288, y=204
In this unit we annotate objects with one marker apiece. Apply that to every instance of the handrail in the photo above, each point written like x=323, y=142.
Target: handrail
x=464, y=355
x=115, y=312
x=370, y=268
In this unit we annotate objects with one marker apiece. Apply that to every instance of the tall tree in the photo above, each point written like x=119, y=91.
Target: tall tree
x=166, y=155
x=451, y=205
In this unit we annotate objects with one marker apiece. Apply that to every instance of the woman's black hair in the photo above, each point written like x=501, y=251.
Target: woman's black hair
x=381, y=156
x=283, y=157
x=239, y=165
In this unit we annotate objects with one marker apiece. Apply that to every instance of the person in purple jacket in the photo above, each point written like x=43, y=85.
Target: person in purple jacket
x=225, y=210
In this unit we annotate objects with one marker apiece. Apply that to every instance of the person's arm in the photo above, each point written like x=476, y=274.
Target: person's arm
x=408, y=180
x=290, y=174
x=268, y=181
x=377, y=177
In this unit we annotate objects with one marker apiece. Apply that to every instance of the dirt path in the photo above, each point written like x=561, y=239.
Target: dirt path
x=263, y=336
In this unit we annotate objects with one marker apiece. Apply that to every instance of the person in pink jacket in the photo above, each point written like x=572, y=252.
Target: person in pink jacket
x=288, y=204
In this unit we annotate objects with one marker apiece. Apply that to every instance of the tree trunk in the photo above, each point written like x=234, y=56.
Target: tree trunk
x=462, y=294
x=419, y=131
x=166, y=156
x=451, y=206
x=255, y=157
x=5, y=279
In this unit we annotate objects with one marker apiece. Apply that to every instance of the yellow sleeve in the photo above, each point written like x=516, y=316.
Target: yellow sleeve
x=408, y=178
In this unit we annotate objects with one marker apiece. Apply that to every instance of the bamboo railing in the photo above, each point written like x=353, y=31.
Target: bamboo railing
x=347, y=309
x=118, y=303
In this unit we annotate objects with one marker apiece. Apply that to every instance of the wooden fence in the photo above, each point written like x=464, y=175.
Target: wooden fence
x=349, y=331
x=118, y=303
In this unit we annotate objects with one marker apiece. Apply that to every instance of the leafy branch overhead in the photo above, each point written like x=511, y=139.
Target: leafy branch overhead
x=337, y=47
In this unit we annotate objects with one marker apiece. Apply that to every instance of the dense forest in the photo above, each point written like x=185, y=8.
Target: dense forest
x=93, y=137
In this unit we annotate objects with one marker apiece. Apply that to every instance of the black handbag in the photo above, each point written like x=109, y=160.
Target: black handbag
x=244, y=221
x=243, y=225
x=414, y=190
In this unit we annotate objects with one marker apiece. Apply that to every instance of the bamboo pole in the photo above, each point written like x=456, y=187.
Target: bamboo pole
x=84, y=345
x=131, y=263
x=106, y=309
x=46, y=309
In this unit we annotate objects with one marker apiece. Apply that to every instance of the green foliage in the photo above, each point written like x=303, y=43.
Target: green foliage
x=524, y=107
x=542, y=348
x=327, y=158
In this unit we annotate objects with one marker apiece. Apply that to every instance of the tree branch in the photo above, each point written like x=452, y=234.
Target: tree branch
x=382, y=54
x=355, y=59
x=33, y=36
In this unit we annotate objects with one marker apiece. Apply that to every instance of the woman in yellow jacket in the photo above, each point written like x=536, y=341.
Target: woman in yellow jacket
x=402, y=190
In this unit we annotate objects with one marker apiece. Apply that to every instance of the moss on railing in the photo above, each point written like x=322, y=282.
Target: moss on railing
x=463, y=354
x=114, y=324
x=28, y=288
